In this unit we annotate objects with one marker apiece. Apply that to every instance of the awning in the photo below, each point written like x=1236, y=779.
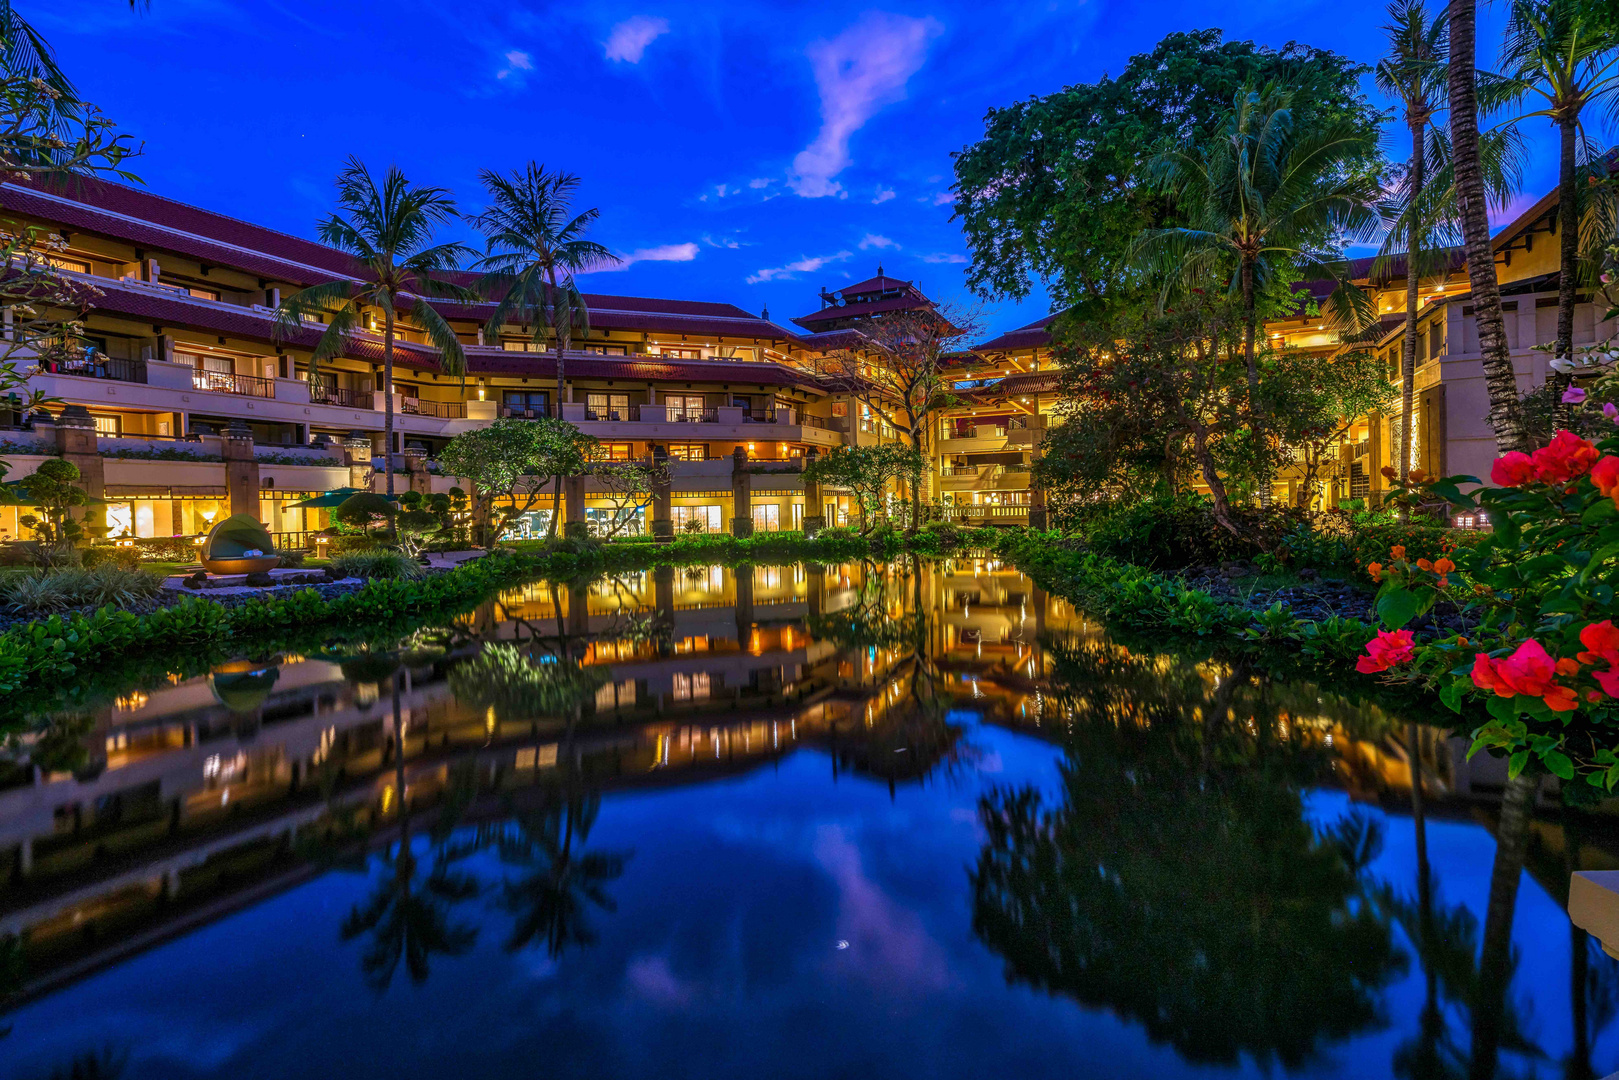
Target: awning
x=331, y=500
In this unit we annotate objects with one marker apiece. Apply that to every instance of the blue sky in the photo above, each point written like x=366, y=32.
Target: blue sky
x=748, y=153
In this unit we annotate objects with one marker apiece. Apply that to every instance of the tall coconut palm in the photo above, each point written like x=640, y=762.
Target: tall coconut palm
x=388, y=228
x=535, y=245
x=1413, y=73
x=1506, y=417
x=1560, y=57
x=1263, y=200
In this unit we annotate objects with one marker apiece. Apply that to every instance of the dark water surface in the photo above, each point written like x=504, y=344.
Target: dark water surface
x=908, y=821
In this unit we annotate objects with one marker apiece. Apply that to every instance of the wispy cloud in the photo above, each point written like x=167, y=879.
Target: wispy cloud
x=801, y=266
x=943, y=198
x=730, y=242
x=944, y=257
x=857, y=72
x=873, y=240
x=760, y=182
x=629, y=39
x=882, y=196
x=662, y=253
x=515, y=61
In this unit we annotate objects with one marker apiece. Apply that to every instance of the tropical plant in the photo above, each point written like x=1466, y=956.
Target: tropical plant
x=1567, y=61
x=70, y=587
x=53, y=490
x=534, y=246
x=1413, y=73
x=501, y=677
x=366, y=511
x=388, y=228
x=511, y=461
x=1058, y=187
x=1263, y=199
x=552, y=899
x=377, y=564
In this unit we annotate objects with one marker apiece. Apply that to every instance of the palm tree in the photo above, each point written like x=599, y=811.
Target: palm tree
x=552, y=899
x=1506, y=417
x=1563, y=58
x=389, y=230
x=1262, y=199
x=535, y=245
x=1413, y=73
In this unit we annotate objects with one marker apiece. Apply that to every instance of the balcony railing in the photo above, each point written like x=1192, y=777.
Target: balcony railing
x=223, y=382
x=336, y=395
x=959, y=470
x=444, y=410
x=695, y=416
x=814, y=422
x=527, y=412
x=623, y=414
x=103, y=368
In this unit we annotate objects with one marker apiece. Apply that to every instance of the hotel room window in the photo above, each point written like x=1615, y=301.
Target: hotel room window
x=612, y=451
x=707, y=518
x=526, y=402
x=688, y=451
x=607, y=406
x=767, y=518
x=686, y=408
x=693, y=687
x=679, y=352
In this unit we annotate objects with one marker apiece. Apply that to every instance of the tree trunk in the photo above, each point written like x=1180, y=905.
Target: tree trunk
x=1413, y=304
x=1432, y=1019
x=388, y=411
x=1211, y=477
x=562, y=338
x=1256, y=419
x=1568, y=237
x=1495, y=958
x=1505, y=416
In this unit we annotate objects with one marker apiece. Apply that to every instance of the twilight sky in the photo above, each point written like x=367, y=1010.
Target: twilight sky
x=749, y=153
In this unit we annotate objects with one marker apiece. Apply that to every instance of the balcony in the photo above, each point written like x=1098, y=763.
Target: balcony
x=442, y=410
x=100, y=367
x=221, y=382
x=321, y=394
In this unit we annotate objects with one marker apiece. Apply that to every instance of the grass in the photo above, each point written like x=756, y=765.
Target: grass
x=59, y=590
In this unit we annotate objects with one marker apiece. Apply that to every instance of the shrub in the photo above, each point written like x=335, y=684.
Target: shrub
x=1174, y=532
x=167, y=549
x=290, y=560
x=58, y=590
x=379, y=563
x=125, y=558
x=341, y=545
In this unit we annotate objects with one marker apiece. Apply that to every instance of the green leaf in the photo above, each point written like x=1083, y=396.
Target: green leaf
x=1452, y=694
x=1399, y=606
x=1516, y=763
x=1558, y=763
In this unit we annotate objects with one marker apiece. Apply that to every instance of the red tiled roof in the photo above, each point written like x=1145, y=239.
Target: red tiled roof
x=1035, y=335
x=1034, y=382
x=880, y=283
x=486, y=361
x=862, y=308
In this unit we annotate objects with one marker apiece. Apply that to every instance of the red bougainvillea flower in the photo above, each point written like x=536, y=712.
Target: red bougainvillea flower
x=1443, y=566
x=1566, y=457
x=1512, y=469
x=1397, y=551
x=1605, y=475
x=1387, y=649
x=1424, y=564
x=1601, y=641
x=1529, y=671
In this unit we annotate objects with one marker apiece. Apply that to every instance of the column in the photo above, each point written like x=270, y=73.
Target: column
x=357, y=456
x=415, y=456
x=574, y=525
x=741, y=494
x=663, y=526
x=241, y=470
x=814, y=501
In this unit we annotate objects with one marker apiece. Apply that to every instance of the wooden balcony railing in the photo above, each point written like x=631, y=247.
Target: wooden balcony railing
x=444, y=410
x=321, y=394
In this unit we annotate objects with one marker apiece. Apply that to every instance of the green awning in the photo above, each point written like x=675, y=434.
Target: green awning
x=331, y=500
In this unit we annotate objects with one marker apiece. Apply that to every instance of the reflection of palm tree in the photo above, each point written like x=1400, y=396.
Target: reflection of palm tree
x=552, y=900
x=1497, y=958
x=405, y=920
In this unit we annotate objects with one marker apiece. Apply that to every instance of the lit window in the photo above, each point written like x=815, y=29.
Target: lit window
x=693, y=687
x=689, y=451
x=612, y=451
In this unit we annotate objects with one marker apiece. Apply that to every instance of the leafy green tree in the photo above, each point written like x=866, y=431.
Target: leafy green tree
x=513, y=460
x=1316, y=398
x=534, y=246
x=364, y=510
x=1199, y=794
x=388, y=228
x=53, y=488
x=1058, y=187
x=502, y=678
x=627, y=487
x=1566, y=61
x=867, y=472
x=1262, y=201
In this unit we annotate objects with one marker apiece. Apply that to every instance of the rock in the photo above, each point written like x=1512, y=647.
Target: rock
x=1309, y=573
x=260, y=580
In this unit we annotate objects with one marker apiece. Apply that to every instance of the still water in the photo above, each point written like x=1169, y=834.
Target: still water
x=911, y=820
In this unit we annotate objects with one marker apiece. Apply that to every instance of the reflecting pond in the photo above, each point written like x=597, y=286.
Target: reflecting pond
x=907, y=820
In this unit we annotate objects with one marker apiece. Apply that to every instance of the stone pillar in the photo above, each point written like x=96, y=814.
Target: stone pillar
x=578, y=608
x=816, y=588
x=416, y=468
x=357, y=456
x=241, y=470
x=741, y=494
x=744, y=603
x=1037, y=506
x=663, y=592
x=814, y=502
x=574, y=525
x=75, y=432
x=663, y=526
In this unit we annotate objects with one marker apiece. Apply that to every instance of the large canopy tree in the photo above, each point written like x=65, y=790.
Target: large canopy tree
x=388, y=228
x=1058, y=188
